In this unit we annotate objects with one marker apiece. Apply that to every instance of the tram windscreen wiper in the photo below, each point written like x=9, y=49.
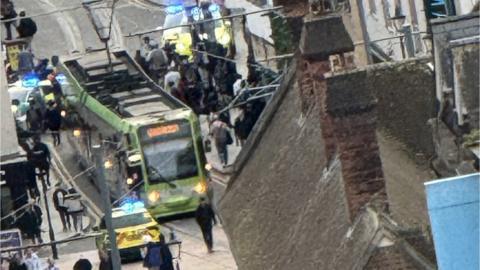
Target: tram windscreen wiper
x=158, y=177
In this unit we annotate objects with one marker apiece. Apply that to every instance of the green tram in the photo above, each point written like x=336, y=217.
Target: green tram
x=152, y=142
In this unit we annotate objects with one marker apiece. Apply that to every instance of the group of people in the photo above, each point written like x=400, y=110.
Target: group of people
x=26, y=27
x=207, y=82
x=30, y=261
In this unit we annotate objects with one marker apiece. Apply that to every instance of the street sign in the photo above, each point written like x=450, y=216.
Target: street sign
x=10, y=239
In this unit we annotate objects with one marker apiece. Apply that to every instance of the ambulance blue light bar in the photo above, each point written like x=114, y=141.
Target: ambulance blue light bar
x=130, y=206
x=174, y=9
x=30, y=80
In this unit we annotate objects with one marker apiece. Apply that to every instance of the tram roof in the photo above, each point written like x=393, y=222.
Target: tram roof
x=126, y=90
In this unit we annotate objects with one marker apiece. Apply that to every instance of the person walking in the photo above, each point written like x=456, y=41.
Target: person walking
x=41, y=159
x=165, y=254
x=205, y=218
x=32, y=261
x=8, y=13
x=222, y=138
x=26, y=28
x=29, y=223
x=53, y=121
x=75, y=208
x=58, y=202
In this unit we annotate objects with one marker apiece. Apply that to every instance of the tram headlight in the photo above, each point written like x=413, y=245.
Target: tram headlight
x=77, y=133
x=63, y=113
x=129, y=181
x=201, y=187
x=108, y=164
x=153, y=196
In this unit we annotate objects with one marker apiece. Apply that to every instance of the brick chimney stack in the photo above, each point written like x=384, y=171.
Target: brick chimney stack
x=352, y=107
x=347, y=109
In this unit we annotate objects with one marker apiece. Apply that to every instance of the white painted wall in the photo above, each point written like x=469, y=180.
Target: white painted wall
x=259, y=25
x=377, y=14
x=8, y=135
x=464, y=6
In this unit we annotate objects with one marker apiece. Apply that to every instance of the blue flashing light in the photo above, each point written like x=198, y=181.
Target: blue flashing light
x=131, y=205
x=213, y=8
x=196, y=13
x=30, y=80
x=174, y=9
x=61, y=78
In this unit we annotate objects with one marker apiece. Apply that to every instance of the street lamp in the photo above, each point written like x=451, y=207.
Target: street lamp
x=103, y=28
x=41, y=175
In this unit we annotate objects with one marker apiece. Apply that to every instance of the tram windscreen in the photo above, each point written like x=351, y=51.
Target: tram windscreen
x=169, y=152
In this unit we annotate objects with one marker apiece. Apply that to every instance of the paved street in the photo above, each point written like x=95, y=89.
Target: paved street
x=70, y=33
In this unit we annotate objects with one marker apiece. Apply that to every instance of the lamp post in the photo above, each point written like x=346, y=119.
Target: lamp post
x=102, y=27
x=41, y=175
x=115, y=256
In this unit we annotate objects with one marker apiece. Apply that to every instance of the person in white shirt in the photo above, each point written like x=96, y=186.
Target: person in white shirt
x=172, y=76
x=75, y=209
x=32, y=261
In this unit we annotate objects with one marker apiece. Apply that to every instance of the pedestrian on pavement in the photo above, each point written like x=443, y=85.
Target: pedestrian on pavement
x=165, y=254
x=34, y=116
x=53, y=121
x=157, y=62
x=8, y=13
x=222, y=138
x=205, y=218
x=32, y=261
x=41, y=159
x=75, y=209
x=16, y=263
x=26, y=28
x=29, y=222
x=105, y=260
x=172, y=76
x=82, y=264
x=51, y=264
x=59, y=204
x=143, y=53
x=152, y=259
x=241, y=127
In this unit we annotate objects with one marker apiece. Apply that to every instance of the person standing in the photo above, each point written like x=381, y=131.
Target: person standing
x=205, y=218
x=157, y=62
x=32, y=261
x=58, y=202
x=8, y=13
x=26, y=28
x=222, y=139
x=16, y=263
x=165, y=254
x=75, y=209
x=152, y=259
x=53, y=121
x=172, y=76
x=105, y=260
x=41, y=159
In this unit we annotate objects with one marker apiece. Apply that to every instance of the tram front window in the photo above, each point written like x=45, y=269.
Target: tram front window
x=170, y=160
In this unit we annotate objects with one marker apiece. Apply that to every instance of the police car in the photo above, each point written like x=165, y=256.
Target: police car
x=133, y=226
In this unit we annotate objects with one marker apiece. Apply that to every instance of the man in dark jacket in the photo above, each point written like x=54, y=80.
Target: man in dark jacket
x=41, y=159
x=53, y=121
x=205, y=218
x=26, y=29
